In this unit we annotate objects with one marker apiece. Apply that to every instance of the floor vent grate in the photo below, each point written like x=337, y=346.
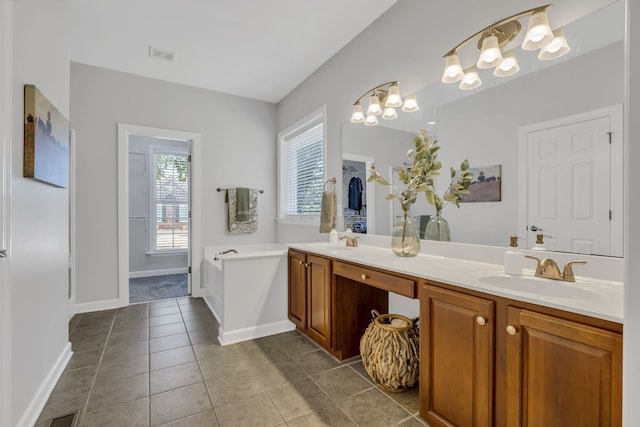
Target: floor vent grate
x=64, y=421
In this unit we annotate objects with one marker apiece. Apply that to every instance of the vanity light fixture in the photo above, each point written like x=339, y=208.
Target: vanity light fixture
x=383, y=101
x=491, y=40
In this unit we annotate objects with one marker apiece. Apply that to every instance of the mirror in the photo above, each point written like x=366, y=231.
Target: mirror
x=485, y=125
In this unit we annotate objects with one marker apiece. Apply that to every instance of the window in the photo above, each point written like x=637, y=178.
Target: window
x=302, y=168
x=169, y=200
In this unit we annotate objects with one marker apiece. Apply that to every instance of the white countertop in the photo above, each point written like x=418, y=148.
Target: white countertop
x=591, y=297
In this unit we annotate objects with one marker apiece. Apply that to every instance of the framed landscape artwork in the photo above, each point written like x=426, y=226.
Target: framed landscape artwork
x=486, y=185
x=46, y=140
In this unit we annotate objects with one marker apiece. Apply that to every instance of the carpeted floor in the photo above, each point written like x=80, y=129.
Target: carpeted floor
x=146, y=289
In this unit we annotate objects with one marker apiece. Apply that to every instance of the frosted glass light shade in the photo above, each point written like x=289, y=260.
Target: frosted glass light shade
x=539, y=32
x=389, y=114
x=452, y=69
x=471, y=79
x=371, y=120
x=509, y=65
x=556, y=48
x=374, y=108
x=357, y=116
x=410, y=104
x=393, y=97
x=490, y=54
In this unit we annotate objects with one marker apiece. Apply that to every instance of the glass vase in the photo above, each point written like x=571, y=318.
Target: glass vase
x=438, y=229
x=405, y=240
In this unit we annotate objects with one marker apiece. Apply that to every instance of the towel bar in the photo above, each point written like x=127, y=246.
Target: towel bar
x=225, y=189
x=332, y=180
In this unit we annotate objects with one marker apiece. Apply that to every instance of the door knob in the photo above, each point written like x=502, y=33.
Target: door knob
x=534, y=228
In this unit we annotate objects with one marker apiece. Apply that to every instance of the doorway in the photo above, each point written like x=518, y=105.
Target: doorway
x=158, y=214
x=358, y=195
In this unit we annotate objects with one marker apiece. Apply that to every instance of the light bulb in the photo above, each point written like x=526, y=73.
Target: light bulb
x=452, y=69
x=357, y=116
x=410, y=104
x=539, y=32
x=490, y=54
x=556, y=48
x=471, y=79
x=389, y=114
x=371, y=120
x=509, y=65
x=374, y=108
x=393, y=97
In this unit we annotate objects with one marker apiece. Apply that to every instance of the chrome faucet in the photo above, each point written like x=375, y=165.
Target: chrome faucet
x=548, y=269
x=351, y=241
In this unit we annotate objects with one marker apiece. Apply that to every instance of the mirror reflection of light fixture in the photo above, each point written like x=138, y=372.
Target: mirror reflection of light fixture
x=492, y=39
x=385, y=96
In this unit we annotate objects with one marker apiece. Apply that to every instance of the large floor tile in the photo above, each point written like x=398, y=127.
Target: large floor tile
x=200, y=323
x=82, y=359
x=129, y=324
x=110, y=391
x=408, y=399
x=253, y=411
x=117, y=354
x=341, y=382
x=168, y=342
x=223, y=363
x=329, y=416
x=298, y=346
x=179, y=403
x=76, y=379
x=373, y=409
x=131, y=414
x=173, y=357
x=161, y=311
x=280, y=372
x=174, y=377
x=204, y=336
x=202, y=419
x=89, y=343
x=168, y=329
x=90, y=331
x=233, y=387
x=299, y=398
x=315, y=362
x=126, y=367
x=166, y=319
x=63, y=403
x=413, y=422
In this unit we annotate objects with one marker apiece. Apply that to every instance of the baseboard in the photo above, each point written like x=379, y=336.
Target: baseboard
x=238, y=335
x=31, y=414
x=154, y=273
x=86, y=307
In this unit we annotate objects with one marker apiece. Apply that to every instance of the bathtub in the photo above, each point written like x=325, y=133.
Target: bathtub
x=247, y=291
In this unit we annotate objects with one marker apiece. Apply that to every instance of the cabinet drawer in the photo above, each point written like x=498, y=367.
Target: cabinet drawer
x=378, y=279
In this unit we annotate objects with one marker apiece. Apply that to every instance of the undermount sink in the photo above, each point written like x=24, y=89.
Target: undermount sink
x=579, y=290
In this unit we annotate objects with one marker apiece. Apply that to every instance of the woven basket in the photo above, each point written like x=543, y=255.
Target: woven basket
x=390, y=352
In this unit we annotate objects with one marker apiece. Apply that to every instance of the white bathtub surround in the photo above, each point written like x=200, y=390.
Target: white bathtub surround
x=247, y=290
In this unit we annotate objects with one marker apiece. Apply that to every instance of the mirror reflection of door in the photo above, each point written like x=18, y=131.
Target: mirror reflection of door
x=571, y=177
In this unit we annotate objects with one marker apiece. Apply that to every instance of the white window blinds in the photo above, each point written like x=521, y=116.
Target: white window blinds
x=305, y=172
x=170, y=205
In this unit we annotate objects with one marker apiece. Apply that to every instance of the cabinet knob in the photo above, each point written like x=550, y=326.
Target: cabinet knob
x=511, y=330
x=299, y=262
x=480, y=320
x=364, y=276
x=306, y=264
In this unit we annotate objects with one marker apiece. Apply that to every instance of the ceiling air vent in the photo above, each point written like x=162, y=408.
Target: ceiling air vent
x=161, y=54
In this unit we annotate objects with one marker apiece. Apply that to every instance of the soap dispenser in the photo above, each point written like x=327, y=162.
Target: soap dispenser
x=333, y=236
x=513, y=258
x=539, y=246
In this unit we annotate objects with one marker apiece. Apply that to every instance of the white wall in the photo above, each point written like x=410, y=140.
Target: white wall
x=39, y=212
x=139, y=197
x=238, y=150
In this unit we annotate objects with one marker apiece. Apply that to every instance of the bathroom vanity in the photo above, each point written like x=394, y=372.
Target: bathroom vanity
x=495, y=350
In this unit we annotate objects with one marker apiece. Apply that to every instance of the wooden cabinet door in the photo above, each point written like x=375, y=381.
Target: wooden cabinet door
x=319, y=300
x=456, y=358
x=298, y=289
x=561, y=373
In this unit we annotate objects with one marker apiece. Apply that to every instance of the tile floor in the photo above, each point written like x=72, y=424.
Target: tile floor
x=159, y=364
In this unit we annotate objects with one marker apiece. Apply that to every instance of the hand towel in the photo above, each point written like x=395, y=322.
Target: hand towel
x=242, y=204
x=328, y=211
x=249, y=225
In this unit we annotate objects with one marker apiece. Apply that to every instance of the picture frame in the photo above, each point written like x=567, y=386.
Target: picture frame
x=486, y=185
x=46, y=140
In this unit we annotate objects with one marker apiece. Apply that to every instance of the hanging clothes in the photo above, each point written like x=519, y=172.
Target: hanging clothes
x=355, y=193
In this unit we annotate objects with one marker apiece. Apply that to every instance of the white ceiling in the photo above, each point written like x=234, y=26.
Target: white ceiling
x=254, y=48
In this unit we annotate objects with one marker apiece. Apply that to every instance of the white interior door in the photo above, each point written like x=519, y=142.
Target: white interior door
x=569, y=180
